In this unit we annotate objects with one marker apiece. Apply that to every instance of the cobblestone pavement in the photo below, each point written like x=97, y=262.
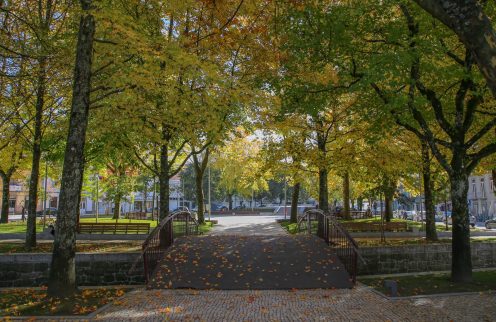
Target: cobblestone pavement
x=359, y=304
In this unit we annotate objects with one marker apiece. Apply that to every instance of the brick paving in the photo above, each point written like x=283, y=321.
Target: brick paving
x=358, y=304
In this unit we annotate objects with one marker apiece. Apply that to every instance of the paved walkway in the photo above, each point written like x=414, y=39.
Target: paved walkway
x=250, y=262
x=359, y=304
x=258, y=225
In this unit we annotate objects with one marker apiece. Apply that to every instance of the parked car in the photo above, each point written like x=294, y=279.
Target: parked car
x=219, y=207
x=490, y=224
x=181, y=208
x=472, y=219
x=50, y=212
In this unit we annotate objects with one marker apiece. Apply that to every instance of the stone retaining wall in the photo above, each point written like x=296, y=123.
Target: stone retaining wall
x=113, y=268
x=420, y=258
x=92, y=269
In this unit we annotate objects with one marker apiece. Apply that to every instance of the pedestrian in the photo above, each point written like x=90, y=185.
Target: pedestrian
x=23, y=213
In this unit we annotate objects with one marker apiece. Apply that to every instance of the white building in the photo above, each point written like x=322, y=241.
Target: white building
x=482, y=197
x=135, y=201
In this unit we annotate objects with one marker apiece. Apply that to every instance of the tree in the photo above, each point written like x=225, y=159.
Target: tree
x=449, y=113
x=62, y=278
x=34, y=41
x=11, y=159
x=474, y=28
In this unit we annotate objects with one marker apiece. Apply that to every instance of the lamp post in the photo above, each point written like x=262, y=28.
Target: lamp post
x=209, y=195
x=97, y=197
x=45, y=194
x=285, y=198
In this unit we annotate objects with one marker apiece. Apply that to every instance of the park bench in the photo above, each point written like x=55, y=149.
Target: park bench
x=375, y=226
x=136, y=215
x=115, y=228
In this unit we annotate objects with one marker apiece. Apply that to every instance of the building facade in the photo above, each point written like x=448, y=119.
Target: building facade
x=482, y=197
x=19, y=192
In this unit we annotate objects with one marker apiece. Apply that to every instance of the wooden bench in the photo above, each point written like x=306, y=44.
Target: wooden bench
x=136, y=215
x=115, y=228
x=375, y=226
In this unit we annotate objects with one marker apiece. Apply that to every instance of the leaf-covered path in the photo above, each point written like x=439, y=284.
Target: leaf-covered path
x=251, y=262
x=250, y=252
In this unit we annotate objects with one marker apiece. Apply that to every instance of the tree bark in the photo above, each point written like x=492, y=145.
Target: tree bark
x=145, y=195
x=346, y=195
x=430, y=213
x=294, y=203
x=468, y=20
x=35, y=165
x=117, y=206
x=200, y=167
x=5, y=195
x=164, y=181
x=390, y=187
x=153, y=196
x=461, y=264
x=62, y=279
x=230, y=200
x=199, y=195
x=323, y=173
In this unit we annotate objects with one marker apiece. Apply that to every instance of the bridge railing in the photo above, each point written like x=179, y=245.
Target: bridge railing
x=176, y=224
x=326, y=226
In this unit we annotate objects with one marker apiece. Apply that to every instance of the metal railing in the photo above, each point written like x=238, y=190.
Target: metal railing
x=176, y=224
x=325, y=226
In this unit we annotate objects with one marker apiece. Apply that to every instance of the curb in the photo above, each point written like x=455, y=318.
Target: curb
x=426, y=296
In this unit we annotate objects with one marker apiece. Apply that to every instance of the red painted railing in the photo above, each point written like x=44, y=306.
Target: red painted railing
x=179, y=223
x=326, y=226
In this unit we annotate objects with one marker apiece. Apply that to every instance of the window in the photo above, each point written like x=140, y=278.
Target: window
x=53, y=202
x=491, y=185
x=474, y=189
x=483, y=191
x=83, y=204
x=12, y=203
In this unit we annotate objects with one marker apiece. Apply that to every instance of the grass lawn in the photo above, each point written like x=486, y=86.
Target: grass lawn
x=20, y=227
x=290, y=228
x=368, y=242
x=29, y=302
x=434, y=284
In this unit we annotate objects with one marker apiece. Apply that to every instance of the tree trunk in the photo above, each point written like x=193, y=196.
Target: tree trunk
x=360, y=203
x=388, y=199
x=461, y=263
x=35, y=165
x=199, y=195
x=323, y=173
x=200, y=167
x=153, y=196
x=62, y=279
x=145, y=197
x=346, y=195
x=5, y=197
x=294, y=203
x=230, y=199
x=117, y=206
x=164, y=181
x=430, y=213
x=494, y=179
x=474, y=28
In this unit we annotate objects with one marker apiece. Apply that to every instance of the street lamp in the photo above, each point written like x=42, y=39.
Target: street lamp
x=209, y=195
